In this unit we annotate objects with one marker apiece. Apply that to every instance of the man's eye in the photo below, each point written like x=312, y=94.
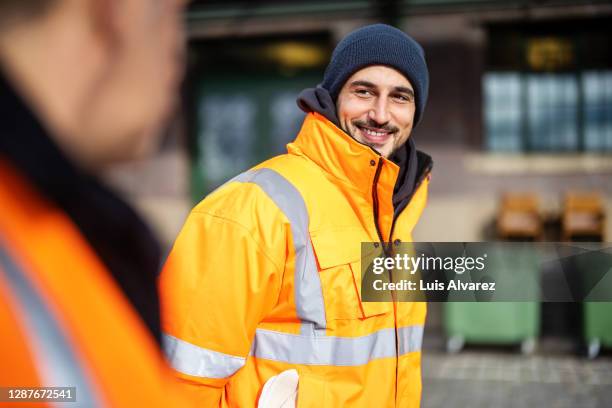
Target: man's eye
x=363, y=92
x=403, y=98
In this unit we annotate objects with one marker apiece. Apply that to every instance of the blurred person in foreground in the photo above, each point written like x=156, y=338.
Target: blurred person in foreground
x=83, y=84
x=261, y=293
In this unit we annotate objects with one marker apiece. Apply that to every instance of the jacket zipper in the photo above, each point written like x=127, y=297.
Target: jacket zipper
x=384, y=247
x=387, y=250
x=375, y=203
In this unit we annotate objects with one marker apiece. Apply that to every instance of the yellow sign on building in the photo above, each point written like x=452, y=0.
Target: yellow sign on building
x=549, y=53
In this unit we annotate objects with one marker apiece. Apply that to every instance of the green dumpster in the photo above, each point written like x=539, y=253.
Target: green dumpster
x=597, y=314
x=593, y=269
x=492, y=323
x=515, y=268
x=597, y=326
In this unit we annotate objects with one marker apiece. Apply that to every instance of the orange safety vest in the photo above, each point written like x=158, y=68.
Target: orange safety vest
x=64, y=321
x=265, y=276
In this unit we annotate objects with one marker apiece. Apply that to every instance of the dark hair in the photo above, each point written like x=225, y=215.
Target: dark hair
x=14, y=11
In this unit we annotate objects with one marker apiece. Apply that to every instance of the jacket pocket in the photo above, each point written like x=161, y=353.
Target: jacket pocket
x=338, y=253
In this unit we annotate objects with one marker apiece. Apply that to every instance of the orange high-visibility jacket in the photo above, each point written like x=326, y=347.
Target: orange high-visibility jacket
x=63, y=320
x=265, y=276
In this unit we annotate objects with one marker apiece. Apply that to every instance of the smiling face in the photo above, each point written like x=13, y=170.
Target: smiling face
x=376, y=107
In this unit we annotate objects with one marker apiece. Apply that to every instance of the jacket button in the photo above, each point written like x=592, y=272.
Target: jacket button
x=372, y=163
x=376, y=245
x=397, y=242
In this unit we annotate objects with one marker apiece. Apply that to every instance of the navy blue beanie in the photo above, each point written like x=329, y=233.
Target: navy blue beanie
x=379, y=44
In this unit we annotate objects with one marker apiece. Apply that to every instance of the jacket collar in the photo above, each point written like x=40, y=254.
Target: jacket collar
x=342, y=157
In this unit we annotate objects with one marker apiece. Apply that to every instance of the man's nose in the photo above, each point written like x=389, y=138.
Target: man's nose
x=379, y=113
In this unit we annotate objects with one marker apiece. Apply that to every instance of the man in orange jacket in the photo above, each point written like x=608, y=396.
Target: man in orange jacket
x=83, y=83
x=263, y=286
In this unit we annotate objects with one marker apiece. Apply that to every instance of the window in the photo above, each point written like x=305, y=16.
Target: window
x=548, y=112
x=503, y=111
x=548, y=86
x=597, y=110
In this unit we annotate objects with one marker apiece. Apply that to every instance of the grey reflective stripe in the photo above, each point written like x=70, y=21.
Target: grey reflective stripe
x=197, y=361
x=335, y=351
x=330, y=350
x=410, y=339
x=308, y=293
x=55, y=360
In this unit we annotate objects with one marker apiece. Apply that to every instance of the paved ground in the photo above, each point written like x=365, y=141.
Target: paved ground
x=477, y=379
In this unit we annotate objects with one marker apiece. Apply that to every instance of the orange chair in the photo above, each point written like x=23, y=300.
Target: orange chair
x=583, y=217
x=519, y=217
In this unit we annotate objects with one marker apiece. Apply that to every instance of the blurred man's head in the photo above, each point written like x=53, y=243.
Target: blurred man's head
x=378, y=79
x=101, y=74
